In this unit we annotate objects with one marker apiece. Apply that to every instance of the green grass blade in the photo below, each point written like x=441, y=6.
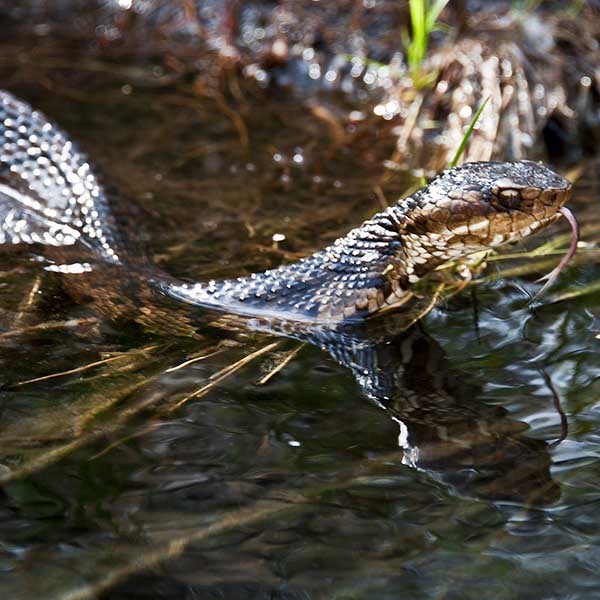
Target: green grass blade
x=423, y=20
x=418, y=43
x=434, y=13
x=467, y=136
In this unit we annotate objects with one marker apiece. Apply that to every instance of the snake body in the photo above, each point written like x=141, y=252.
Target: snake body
x=50, y=194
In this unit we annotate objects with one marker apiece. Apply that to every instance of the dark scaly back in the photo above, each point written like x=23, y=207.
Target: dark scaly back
x=49, y=193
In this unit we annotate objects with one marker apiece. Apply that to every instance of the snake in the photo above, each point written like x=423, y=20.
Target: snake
x=50, y=194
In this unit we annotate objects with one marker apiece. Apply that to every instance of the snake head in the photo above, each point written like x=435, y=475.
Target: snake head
x=475, y=207
x=531, y=193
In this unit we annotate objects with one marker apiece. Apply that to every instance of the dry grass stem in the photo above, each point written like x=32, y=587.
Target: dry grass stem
x=434, y=300
x=336, y=129
x=28, y=301
x=70, y=324
x=91, y=365
x=281, y=365
x=577, y=292
x=219, y=376
x=381, y=197
x=404, y=137
x=530, y=268
x=216, y=350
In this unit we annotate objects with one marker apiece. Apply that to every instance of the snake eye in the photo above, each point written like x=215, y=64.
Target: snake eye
x=507, y=193
x=509, y=198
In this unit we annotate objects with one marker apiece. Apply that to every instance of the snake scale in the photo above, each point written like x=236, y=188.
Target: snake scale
x=50, y=195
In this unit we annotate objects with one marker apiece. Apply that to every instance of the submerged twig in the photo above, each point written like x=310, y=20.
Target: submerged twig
x=215, y=379
x=49, y=457
x=91, y=365
x=122, y=440
x=71, y=323
x=217, y=350
x=564, y=423
x=281, y=365
x=219, y=376
x=146, y=560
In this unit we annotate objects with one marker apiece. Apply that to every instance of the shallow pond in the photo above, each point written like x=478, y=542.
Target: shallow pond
x=264, y=470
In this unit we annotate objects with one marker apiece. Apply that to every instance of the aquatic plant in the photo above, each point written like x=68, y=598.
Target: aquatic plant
x=424, y=20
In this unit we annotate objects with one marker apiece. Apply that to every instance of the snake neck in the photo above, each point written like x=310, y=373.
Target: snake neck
x=358, y=274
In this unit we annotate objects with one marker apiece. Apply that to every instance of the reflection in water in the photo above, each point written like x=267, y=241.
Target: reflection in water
x=444, y=429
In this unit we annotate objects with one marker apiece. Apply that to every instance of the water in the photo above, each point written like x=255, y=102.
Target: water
x=467, y=484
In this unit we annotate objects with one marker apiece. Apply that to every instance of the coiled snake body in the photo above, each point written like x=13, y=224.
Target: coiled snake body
x=50, y=195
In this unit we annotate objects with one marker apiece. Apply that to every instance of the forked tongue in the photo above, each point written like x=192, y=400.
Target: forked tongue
x=551, y=277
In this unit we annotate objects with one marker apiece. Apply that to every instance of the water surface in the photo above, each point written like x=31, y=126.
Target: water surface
x=469, y=483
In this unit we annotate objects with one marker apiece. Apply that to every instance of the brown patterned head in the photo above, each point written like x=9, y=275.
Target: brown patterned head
x=475, y=207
